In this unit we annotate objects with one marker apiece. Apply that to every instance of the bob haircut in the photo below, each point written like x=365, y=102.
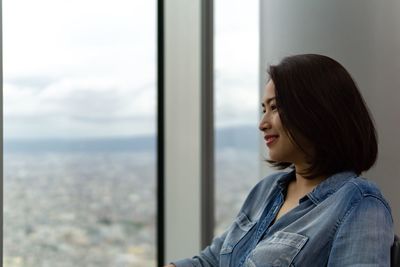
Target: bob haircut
x=318, y=100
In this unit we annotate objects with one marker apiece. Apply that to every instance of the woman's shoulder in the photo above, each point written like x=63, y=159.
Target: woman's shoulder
x=366, y=186
x=364, y=189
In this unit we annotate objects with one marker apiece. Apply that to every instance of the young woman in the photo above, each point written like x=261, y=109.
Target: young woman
x=322, y=212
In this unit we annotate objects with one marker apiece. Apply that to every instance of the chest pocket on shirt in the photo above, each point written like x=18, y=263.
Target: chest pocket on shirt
x=279, y=250
x=238, y=230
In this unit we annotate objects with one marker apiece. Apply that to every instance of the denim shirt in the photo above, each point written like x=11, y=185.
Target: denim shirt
x=344, y=221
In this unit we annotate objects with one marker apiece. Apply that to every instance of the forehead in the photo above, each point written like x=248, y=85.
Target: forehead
x=269, y=91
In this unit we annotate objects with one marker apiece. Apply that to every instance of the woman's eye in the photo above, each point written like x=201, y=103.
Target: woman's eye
x=273, y=107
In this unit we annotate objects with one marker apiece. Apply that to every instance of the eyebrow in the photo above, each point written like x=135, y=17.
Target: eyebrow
x=268, y=100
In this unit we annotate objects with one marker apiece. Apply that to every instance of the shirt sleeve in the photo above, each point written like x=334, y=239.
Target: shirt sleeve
x=364, y=237
x=209, y=257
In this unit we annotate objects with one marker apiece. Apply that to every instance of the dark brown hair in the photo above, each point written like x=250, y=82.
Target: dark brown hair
x=317, y=98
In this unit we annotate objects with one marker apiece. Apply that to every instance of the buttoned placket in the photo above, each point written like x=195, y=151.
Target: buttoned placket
x=263, y=225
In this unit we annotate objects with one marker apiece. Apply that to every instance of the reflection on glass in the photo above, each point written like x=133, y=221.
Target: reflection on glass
x=236, y=105
x=79, y=133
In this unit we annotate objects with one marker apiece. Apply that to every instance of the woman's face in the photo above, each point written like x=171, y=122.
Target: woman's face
x=281, y=148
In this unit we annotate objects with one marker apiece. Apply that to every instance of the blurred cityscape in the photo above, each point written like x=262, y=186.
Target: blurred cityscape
x=77, y=209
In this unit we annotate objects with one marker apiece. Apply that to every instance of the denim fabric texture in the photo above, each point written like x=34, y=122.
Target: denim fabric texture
x=344, y=221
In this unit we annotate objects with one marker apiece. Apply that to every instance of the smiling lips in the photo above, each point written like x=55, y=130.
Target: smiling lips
x=270, y=138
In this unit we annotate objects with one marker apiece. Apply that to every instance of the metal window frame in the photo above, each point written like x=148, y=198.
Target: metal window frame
x=160, y=135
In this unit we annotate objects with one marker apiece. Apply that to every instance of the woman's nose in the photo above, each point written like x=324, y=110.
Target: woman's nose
x=264, y=124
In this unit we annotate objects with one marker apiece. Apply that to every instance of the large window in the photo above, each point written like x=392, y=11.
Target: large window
x=79, y=132
x=236, y=105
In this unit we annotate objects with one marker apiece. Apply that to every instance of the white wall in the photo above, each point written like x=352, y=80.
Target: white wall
x=364, y=36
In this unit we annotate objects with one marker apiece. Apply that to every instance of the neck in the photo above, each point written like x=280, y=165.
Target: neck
x=304, y=185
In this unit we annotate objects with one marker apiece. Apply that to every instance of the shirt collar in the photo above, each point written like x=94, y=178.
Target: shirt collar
x=327, y=187
x=330, y=185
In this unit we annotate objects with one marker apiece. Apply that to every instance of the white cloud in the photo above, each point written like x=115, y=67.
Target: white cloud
x=79, y=67
x=104, y=103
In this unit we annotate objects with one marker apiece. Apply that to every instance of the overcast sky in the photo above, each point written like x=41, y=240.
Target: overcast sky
x=86, y=68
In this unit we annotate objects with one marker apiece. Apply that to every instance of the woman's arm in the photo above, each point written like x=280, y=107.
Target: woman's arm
x=364, y=237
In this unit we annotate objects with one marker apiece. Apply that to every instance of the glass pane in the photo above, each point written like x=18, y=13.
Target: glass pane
x=79, y=132
x=236, y=105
